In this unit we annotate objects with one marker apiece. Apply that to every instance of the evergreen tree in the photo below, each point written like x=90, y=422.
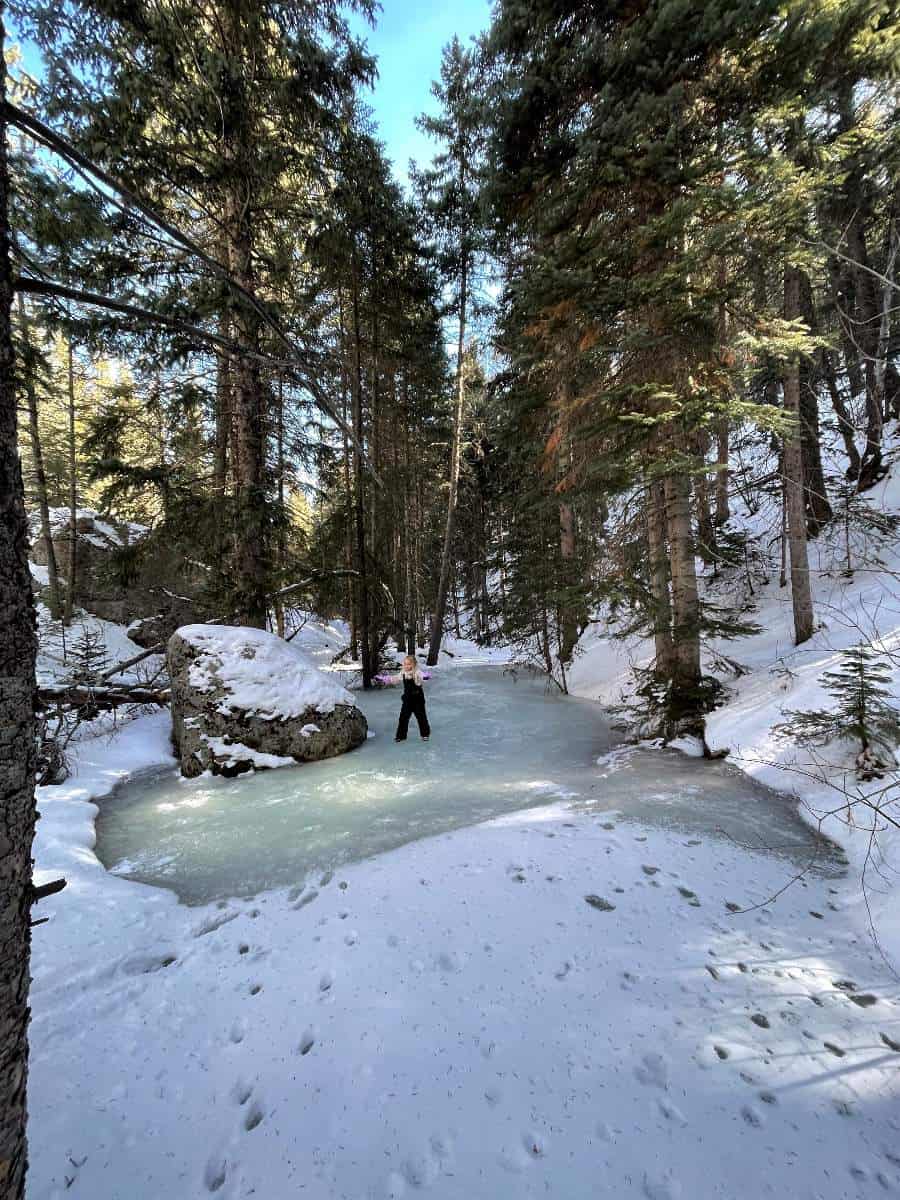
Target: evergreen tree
x=449, y=194
x=864, y=711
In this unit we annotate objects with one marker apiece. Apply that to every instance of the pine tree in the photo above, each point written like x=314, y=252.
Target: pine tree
x=449, y=194
x=864, y=711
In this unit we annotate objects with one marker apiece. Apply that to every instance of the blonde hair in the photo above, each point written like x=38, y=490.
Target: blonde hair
x=415, y=674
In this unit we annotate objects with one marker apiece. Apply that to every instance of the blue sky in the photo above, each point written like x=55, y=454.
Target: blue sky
x=407, y=41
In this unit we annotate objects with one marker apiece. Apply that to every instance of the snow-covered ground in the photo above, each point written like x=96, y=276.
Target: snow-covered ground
x=556, y=1003
x=560, y=1002
x=777, y=677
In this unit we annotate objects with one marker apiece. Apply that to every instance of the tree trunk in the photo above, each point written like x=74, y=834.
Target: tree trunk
x=365, y=644
x=37, y=453
x=72, y=564
x=723, y=512
x=440, y=606
x=664, y=664
x=845, y=424
x=818, y=508
x=801, y=594
x=685, y=597
x=223, y=409
x=252, y=531
x=282, y=513
x=568, y=623
x=17, y=740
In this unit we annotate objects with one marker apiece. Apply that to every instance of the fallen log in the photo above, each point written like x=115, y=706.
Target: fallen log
x=101, y=699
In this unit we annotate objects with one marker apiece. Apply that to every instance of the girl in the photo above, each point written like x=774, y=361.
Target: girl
x=413, y=698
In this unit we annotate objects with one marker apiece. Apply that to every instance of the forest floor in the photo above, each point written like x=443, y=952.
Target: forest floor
x=558, y=1002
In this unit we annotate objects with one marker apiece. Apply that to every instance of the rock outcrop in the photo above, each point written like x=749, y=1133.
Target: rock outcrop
x=244, y=698
x=124, y=574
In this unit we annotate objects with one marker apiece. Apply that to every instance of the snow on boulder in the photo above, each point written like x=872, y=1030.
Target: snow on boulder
x=244, y=698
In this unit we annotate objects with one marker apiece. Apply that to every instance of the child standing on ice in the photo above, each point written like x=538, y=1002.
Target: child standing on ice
x=413, y=701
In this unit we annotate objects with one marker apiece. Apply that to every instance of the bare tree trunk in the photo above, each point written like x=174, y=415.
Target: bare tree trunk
x=223, y=409
x=568, y=623
x=664, y=664
x=818, y=508
x=17, y=740
x=440, y=606
x=282, y=514
x=72, y=564
x=801, y=594
x=723, y=512
x=359, y=508
x=845, y=424
x=40, y=474
x=685, y=597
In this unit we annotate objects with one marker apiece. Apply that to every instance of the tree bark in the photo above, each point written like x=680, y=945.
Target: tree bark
x=723, y=511
x=845, y=424
x=440, y=606
x=17, y=734
x=801, y=594
x=72, y=564
x=685, y=597
x=252, y=531
x=818, y=508
x=37, y=453
x=655, y=506
x=365, y=644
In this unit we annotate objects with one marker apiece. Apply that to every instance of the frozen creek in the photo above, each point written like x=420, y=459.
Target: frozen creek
x=501, y=742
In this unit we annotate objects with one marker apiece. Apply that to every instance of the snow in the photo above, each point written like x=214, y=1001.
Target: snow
x=568, y=1000
x=261, y=673
x=55, y=646
x=104, y=534
x=552, y=1002
x=778, y=677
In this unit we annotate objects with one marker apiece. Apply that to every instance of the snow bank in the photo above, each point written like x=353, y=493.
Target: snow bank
x=767, y=676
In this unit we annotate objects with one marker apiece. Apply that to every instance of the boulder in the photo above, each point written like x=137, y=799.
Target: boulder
x=244, y=698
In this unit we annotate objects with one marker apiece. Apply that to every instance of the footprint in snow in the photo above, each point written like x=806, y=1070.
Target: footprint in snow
x=753, y=1116
x=326, y=983
x=534, y=1144
x=721, y=1052
x=306, y=898
x=307, y=1042
x=599, y=903
x=672, y=1112
x=863, y=999
x=690, y=896
x=215, y=1172
x=835, y=1050
x=761, y=1020
x=653, y=1070
x=890, y=1043
x=211, y=924
x=242, y=1091
x=662, y=1187
x=254, y=1116
x=650, y=870
x=238, y=1032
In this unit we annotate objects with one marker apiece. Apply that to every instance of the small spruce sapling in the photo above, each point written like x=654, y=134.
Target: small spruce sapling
x=863, y=711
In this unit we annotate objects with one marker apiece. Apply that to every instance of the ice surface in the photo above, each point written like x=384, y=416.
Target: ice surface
x=500, y=743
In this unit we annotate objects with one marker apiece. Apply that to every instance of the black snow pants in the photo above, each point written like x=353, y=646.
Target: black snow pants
x=413, y=705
